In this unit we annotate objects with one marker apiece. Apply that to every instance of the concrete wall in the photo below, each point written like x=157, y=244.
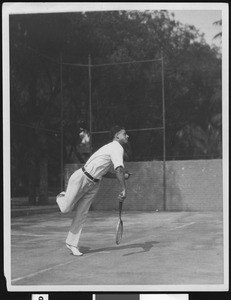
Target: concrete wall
x=194, y=185
x=190, y=186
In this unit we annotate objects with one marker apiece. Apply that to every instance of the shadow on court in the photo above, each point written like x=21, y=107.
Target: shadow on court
x=146, y=246
x=158, y=248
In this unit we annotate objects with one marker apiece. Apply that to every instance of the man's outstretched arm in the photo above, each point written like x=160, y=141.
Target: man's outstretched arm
x=121, y=178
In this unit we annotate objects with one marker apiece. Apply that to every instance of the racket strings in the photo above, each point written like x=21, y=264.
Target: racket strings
x=119, y=232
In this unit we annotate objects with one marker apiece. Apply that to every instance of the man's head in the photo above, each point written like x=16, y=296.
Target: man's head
x=119, y=134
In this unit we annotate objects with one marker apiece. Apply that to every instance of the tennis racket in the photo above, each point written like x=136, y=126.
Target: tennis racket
x=119, y=228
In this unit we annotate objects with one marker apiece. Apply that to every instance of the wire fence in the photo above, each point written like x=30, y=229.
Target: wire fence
x=97, y=96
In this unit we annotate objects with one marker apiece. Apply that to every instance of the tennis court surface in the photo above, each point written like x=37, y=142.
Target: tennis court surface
x=158, y=248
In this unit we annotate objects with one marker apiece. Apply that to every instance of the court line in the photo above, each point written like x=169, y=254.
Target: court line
x=35, y=239
x=82, y=257
x=185, y=225
x=36, y=235
x=41, y=271
x=33, y=235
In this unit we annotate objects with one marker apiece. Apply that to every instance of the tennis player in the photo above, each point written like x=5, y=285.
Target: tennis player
x=84, y=184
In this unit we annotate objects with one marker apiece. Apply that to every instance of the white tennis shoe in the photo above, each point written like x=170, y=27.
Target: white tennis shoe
x=75, y=251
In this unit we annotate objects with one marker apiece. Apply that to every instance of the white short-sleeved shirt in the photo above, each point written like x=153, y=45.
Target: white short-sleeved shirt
x=104, y=158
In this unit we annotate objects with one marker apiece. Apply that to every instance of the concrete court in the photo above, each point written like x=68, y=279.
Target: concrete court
x=158, y=248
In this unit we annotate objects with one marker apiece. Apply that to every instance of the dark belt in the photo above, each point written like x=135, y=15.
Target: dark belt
x=89, y=176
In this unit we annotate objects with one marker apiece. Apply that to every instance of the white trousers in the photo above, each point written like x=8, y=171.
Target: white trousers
x=79, y=195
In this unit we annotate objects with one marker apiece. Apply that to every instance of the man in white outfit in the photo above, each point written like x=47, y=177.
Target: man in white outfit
x=84, y=183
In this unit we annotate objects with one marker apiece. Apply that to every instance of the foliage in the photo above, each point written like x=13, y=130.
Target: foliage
x=127, y=93
x=219, y=34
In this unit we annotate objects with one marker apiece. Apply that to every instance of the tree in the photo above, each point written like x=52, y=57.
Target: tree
x=32, y=104
x=130, y=94
x=218, y=23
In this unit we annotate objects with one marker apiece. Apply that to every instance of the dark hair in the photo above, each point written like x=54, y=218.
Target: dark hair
x=115, y=129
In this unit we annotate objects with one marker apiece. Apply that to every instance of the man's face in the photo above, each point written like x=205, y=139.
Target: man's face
x=122, y=137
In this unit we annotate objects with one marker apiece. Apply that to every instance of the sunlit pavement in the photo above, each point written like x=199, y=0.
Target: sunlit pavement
x=158, y=248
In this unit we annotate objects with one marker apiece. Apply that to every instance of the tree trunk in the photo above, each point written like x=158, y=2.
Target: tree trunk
x=43, y=183
x=32, y=142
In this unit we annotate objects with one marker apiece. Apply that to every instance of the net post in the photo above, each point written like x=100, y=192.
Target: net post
x=61, y=122
x=164, y=133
